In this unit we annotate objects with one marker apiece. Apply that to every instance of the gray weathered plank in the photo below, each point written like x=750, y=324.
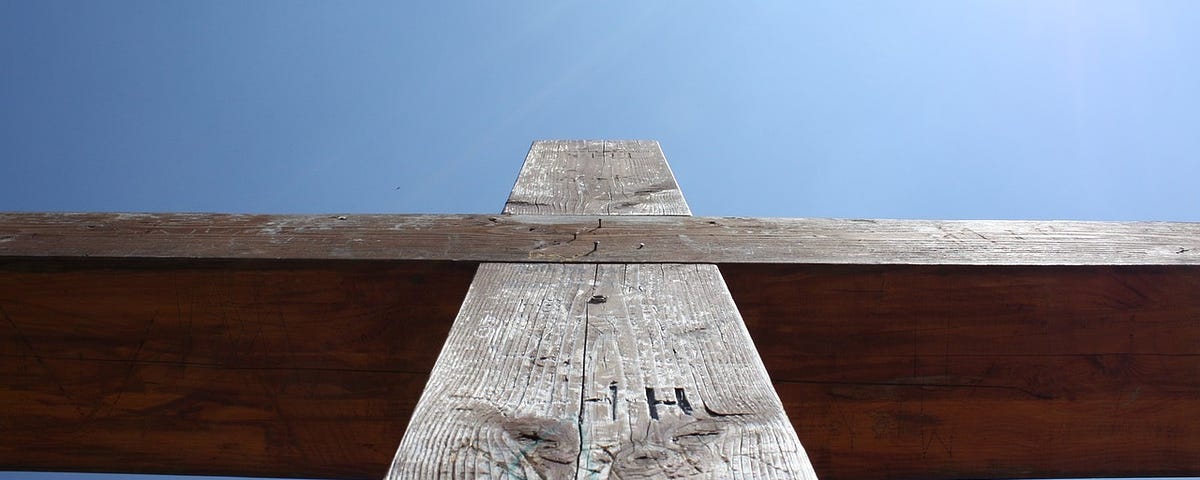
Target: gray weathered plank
x=599, y=371
x=610, y=177
x=597, y=239
x=648, y=367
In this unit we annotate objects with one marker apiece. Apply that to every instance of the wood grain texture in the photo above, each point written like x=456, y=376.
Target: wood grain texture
x=916, y=372
x=296, y=369
x=606, y=177
x=597, y=239
x=599, y=371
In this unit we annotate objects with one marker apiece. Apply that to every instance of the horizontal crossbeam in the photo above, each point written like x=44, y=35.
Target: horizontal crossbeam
x=597, y=239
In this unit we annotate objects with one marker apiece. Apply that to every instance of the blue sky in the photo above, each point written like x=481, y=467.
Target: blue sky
x=1036, y=109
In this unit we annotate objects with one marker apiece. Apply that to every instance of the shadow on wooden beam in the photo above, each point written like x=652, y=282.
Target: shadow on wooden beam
x=982, y=372
x=311, y=369
x=301, y=369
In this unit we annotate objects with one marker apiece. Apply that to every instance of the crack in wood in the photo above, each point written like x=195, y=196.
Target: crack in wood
x=668, y=330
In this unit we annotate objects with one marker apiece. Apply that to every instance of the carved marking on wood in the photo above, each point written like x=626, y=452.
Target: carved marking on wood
x=540, y=380
x=655, y=375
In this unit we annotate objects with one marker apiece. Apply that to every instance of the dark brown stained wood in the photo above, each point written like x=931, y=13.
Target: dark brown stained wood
x=299, y=369
x=573, y=238
x=917, y=372
x=599, y=371
x=608, y=177
x=1005, y=407
x=647, y=367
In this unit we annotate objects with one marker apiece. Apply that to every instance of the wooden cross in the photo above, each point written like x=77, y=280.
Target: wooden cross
x=606, y=370
x=597, y=339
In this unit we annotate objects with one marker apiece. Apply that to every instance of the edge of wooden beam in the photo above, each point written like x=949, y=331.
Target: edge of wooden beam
x=596, y=239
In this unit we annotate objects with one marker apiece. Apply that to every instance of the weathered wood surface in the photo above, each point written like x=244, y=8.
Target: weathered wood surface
x=281, y=369
x=648, y=368
x=610, y=177
x=573, y=238
x=916, y=372
x=599, y=371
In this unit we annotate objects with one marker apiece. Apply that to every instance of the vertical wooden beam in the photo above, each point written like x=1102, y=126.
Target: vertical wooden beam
x=599, y=371
x=596, y=177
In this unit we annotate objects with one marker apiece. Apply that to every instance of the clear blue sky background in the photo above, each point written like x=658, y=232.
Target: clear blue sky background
x=1036, y=109
x=959, y=109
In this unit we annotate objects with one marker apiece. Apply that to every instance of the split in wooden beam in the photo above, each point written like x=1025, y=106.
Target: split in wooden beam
x=596, y=239
x=599, y=371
